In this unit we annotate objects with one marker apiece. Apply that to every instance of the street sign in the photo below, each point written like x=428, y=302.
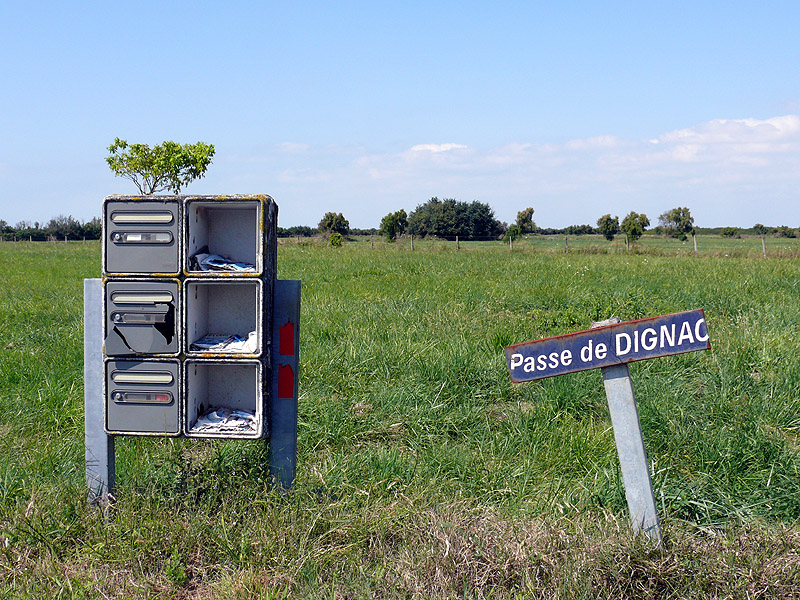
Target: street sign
x=609, y=345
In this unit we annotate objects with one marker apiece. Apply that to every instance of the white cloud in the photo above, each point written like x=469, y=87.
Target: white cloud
x=436, y=148
x=728, y=171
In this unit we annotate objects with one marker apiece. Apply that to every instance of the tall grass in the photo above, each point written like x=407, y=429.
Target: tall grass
x=422, y=471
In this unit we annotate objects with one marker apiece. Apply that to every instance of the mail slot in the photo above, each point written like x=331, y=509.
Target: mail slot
x=224, y=399
x=224, y=237
x=142, y=397
x=142, y=317
x=223, y=317
x=141, y=237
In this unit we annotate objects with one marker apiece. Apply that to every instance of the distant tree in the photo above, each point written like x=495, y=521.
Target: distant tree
x=525, y=220
x=92, y=230
x=677, y=222
x=64, y=227
x=450, y=217
x=297, y=231
x=579, y=230
x=730, y=232
x=394, y=224
x=334, y=223
x=786, y=231
x=608, y=226
x=634, y=225
x=760, y=229
x=514, y=232
x=167, y=166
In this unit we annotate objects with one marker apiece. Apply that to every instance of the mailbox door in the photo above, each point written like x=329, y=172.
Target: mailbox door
x=141, y=317
x=142, y=397
x=142, y=237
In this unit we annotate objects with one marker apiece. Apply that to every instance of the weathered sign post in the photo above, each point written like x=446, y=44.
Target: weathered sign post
x=610, y=346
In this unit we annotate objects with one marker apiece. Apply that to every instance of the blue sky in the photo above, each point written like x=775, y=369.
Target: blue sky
x=577, y=109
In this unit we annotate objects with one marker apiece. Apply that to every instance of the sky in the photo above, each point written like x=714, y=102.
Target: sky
x=576, y=109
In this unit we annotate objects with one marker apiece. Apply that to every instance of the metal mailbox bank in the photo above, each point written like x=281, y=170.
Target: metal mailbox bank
x=188, y=284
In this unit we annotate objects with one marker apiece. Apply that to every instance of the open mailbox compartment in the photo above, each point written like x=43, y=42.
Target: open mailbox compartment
x=224, y=399
x=231, y=229
x=224, y=309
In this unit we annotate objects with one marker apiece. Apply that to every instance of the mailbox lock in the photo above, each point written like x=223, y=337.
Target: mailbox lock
x=142, y=237
x=142, y=397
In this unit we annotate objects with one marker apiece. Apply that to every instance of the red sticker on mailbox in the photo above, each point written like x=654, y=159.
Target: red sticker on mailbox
x=287, y=339
x=285, y=382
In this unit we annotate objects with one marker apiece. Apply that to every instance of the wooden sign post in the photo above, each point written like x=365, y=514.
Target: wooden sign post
x=610, y=346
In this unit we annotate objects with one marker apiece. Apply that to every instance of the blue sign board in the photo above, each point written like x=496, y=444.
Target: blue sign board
x=610, y=345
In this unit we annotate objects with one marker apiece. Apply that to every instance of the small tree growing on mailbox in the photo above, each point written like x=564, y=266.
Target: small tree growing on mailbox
x=167, y=166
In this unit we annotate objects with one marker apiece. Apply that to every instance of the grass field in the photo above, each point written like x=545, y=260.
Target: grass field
x=422, y=471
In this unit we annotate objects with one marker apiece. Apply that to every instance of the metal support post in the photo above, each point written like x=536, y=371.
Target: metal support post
x=100, y=465
x=285, y=371
x=630, y=447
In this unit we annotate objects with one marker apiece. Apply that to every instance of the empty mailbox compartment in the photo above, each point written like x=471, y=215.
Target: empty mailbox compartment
x=223, y=308
x=141, y=317
x=229, y=230
x=224, y=399
x=143, y=397
x=141, y=236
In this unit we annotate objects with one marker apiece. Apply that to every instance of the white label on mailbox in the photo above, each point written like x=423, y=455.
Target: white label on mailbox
x=141, y=297
x=141, y=217
x=145, y=377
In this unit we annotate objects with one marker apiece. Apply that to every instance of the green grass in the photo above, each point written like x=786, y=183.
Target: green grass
x=422, y=471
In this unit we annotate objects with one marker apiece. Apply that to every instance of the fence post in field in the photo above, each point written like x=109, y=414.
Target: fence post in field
x=566, y=244
x=694, y=241
x=412, y=241
x=458, y=247
x=763, y=247
x=371, y=245
x=511, y=242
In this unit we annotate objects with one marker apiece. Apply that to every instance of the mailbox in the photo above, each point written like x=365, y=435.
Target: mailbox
x=232, y=231
x=189, y=284
x=143, y=397
x=223, y=310
x=223, y=399
x=142, y=317
x=141, y=237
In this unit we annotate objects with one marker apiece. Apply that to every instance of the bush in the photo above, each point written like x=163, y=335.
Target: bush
x=335, y=240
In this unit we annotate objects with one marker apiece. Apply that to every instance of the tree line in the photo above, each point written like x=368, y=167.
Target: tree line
x=445, y=218
x=59, y=228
